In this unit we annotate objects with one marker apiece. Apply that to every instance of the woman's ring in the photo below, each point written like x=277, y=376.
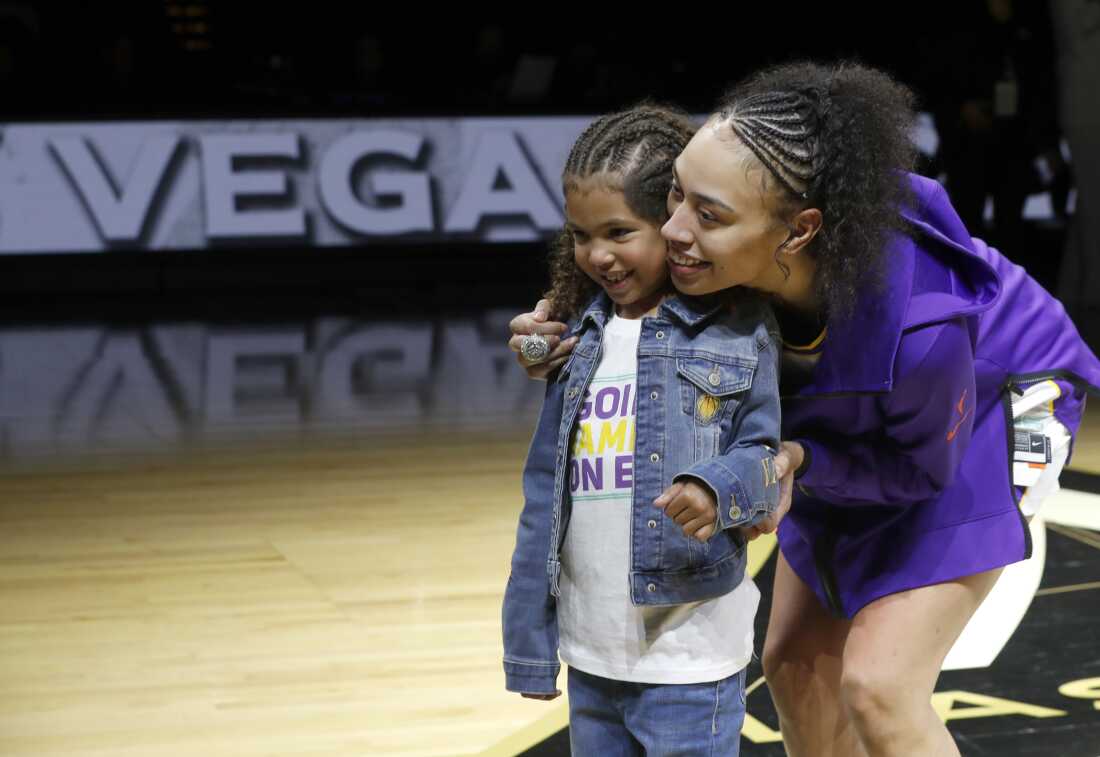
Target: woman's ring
x=535, y=348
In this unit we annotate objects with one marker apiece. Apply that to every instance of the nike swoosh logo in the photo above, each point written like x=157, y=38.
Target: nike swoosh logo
x=962, y=401
x=953, y=432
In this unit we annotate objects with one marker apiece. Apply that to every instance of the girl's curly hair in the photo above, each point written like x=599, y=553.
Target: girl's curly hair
x=632, y=151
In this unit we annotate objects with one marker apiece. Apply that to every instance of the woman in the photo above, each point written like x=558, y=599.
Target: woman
x=906, y=342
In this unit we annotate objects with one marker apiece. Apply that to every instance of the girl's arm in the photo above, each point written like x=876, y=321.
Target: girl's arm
x=743, y=478
x=740, y=487
x=530, y=612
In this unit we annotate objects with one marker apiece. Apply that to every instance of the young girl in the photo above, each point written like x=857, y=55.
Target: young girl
x=654, y=447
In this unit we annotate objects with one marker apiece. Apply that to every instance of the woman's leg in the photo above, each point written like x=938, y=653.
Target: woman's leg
x=803, y=650
x=892, y=658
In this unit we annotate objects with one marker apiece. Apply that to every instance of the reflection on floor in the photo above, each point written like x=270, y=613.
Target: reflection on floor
x=77, y=391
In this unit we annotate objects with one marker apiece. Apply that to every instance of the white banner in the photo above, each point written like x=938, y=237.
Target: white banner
x=162, y=185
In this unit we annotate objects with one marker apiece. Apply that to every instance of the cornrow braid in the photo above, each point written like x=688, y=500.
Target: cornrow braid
x=633, y=151
x=834, y=137
x=781, y=128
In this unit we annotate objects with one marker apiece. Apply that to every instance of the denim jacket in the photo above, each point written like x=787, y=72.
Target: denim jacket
x=707, y=409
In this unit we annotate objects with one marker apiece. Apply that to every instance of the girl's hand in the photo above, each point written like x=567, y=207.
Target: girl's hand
x=787, y=460
x=536, y=322
x=692, y=507
x=542, y=697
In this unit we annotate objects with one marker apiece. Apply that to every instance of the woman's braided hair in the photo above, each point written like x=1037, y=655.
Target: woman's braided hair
x=837, y=138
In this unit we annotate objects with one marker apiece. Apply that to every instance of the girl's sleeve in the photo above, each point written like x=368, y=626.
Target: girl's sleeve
x=742, y=478
x=530, y=612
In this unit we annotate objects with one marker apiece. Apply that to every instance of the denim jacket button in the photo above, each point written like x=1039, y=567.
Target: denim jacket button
x=715, y=378
x=735, y=512
x=654, y=458
x=572, y=392
x=652, y=524
x=653, y=396
x=651, y=588
x=660, y=335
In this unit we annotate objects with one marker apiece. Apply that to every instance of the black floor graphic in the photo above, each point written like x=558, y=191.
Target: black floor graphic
x=1040, y=697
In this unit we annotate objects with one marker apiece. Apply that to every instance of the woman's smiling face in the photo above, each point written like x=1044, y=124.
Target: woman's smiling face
x=721, y=232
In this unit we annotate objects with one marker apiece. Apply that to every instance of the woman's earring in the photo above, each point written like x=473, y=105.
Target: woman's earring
x=783, y=267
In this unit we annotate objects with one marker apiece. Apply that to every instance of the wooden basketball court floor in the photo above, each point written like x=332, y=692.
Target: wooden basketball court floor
x=341, y=596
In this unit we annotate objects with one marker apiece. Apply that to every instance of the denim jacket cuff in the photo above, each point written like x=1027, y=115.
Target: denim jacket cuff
x=741, y=500
x=531, y=677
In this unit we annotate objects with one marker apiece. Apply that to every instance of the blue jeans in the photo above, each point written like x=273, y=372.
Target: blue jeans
x=611, y=718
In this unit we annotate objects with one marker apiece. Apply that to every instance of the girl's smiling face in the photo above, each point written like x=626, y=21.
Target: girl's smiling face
x=622, y=252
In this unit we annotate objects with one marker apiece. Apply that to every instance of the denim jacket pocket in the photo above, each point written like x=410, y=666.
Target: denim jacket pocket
x=710, y=385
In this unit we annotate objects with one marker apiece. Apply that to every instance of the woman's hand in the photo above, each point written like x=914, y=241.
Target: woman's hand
x=787, y=461
x=536, y=322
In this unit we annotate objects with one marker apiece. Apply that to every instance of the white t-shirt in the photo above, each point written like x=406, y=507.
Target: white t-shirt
x=601, y=631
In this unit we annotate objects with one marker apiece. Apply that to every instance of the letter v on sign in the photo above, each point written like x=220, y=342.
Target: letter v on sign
x=119, y=212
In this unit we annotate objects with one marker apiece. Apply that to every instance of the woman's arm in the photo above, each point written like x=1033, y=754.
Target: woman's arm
x=929, y=418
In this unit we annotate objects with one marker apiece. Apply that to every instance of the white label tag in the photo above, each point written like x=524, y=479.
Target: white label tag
x=1026, y=474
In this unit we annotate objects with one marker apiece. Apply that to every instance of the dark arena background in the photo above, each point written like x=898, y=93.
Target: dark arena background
x=261, y=434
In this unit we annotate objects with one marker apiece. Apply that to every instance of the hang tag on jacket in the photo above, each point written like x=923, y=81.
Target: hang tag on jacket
x=1005, y=99
x=1037, y=433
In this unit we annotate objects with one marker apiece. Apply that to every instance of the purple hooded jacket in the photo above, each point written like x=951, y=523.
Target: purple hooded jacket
x=907, y=419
